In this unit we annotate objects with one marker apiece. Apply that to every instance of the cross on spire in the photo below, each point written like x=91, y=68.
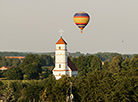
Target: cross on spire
x=61, y=31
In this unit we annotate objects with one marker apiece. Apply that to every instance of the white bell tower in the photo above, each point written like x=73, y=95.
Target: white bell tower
x=60, y=58
x=63, y=65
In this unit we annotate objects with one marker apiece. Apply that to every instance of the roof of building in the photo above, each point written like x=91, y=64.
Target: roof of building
x=61, y=41
x=71, y=65
x=19, y=57
x=6, y=66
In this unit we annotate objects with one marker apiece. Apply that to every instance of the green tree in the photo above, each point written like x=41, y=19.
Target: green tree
x=9, y=61
x=105, y=66
x=32, y=92
x=61, y=89
x=14, y=73
x=115, y=64
x=126, y=63
x=15, y=62
x=8, y=94
x=44, y=96
x=1, y=87
x=31, y=66
x=12, y=62
x=47, y=60
x=95, y=64
x=3, y=62
x=17, y=87
x=46, y=71
x=81, y=64
x=134, y=61
x=49, y=84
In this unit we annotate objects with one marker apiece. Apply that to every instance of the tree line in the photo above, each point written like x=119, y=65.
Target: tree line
x=32, y=67
x=113, y=81
x=103, y=56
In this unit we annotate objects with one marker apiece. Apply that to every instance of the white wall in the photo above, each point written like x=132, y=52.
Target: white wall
x=61, y=59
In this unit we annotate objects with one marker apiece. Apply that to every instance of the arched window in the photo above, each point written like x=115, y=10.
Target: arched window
x=59, y=47
x=59, y=65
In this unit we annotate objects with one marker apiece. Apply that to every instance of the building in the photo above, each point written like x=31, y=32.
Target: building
x=63, y=65
x=19, y=57
x=4, y=67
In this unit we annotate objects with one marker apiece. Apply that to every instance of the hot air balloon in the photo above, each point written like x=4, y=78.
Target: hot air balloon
x=81, y=19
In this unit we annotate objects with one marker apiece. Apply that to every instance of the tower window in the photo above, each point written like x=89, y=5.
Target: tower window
x=59, y=47
x=59, y=65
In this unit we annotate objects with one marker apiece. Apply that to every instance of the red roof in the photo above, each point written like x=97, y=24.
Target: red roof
x=6, y=67
x=61, y=41
x=71, y=65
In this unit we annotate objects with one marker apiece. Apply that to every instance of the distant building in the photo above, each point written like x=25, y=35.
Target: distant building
x=102, y=63
x=19, y=57
x=4, y=67
x=63, y=65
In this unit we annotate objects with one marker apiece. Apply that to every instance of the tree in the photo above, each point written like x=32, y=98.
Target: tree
x=8, y=94
x=134, y=61
x=82, y=64
x=9, y=61
x=115, y=64
x=14, y=73
x=44, y=96
x=46, y=71
x=95, y=64
x=105, y=66
x=47, y=60
x=17, y=87
x=3, y=62
x=126, y=63
x=49, y=84
x=32, y=92
x=12, y=62
x=31, y=71
x=15, y=62
x=62, y=89
x=1, y=86
x=31, y=66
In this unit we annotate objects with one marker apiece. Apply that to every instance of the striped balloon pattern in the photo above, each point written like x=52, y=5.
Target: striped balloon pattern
x=81, y=19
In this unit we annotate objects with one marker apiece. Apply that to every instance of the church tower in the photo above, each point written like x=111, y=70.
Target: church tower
x=63, y=65
x=60, y=58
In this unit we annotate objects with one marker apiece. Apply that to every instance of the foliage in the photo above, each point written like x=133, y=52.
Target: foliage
x=115, y=64
x=11, y=62
x=114, y=81
x=61, y=89
x=48, y=84
x=17, y=86
x=1, y=87
x=31, y=66
x=46, y=71
x=3, y=73
x=82, y=63
x=96, y=63
x=8, y=94
x=32, y=92
x=3, y=54
x=14, y=74
x=47, y=60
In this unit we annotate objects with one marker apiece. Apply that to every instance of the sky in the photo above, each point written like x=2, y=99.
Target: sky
x=33, y=25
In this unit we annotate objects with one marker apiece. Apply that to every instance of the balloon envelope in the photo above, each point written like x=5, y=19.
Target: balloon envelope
x=81, y=19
